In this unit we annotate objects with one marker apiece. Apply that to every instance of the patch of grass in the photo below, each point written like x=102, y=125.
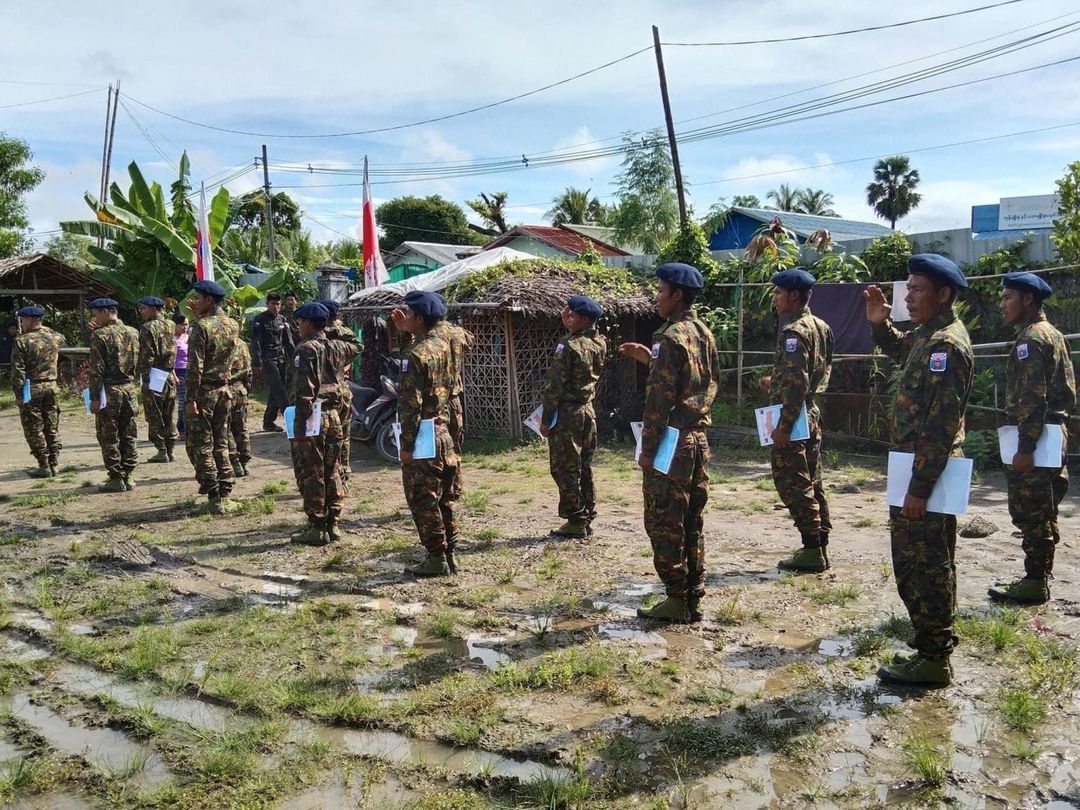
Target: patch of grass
x=484, y=596
x=555, y=791
x=44, y=500
x=868, y=642
x=476, y=500
x=258, y=506
x=715, y=697
x=1021, y=709
x=561, y=670
x=335, y=561
x=863, y=522
x=16, y=775
x=1024, y=749
x=151, y=648
x=1050, y=664
x=443, y=624
x=755, y=507
x=730, y=613
x=464, y=732
x=549, y=567
x=996, y=630
x=839, y=595
x=275, y=487
x=9, y=539
x=927, y=761
x=391, y=543
x=488, y=534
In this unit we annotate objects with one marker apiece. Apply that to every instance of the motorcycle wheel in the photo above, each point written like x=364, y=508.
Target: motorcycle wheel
x=384, y=443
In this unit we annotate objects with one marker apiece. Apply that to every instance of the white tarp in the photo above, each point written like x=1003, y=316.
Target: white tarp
x=438, y=280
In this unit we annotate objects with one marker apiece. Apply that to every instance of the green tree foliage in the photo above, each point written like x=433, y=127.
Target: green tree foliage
x=299, y=248
x=575, y=206
x=783, y=198
x=346, y=252
x=892, y=194
x=17, y=178
x=248, y=212
x=70, y=249
x=424, y=219
x=647, y=211
x=745, y=201
x=690, y=246
x=886, y=257
x=492, y=210
x=1065, y=233
x=815, y=201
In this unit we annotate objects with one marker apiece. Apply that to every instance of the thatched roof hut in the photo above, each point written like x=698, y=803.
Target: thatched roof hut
x=513, y=310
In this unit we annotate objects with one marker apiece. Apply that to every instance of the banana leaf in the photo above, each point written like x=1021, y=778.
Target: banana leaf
x=144, y=198
x=105, y=258
x=92, y=228
x=179, y=248
x=218, y=215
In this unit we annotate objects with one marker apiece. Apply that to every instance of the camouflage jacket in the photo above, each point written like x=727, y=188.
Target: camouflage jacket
x=271, y=338
x=240, y=373
x=683, y=379
x=157, y=347
x=211, y=346
x=802, y=366
x=33, y=357
x=425, y=385
x=1040, y=383
x=931, y=394
x=460, y=340
x=114, y=353
x=317, y=373
x=574, y=372
x=339, y=331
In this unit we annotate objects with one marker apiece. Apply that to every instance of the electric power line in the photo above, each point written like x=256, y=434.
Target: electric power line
x=47, y=100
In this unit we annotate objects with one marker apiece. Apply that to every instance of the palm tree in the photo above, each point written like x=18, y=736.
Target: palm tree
x=815, y=201
x=785, y=198
x=576, y=207
x=492, y=210
x=892, y=195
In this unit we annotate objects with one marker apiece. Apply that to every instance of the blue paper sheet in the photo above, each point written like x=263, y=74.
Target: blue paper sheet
x=86, y=399
x=665, y=450
x=424, y=447
x=289, y=417
x=26, y=390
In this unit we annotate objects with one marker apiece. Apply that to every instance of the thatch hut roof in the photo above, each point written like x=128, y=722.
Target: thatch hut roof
x=43, y=278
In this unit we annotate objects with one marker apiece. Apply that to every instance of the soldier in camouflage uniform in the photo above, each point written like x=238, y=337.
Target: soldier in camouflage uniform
x=211, y=346
x=240, y=383
x=927, y=420
x=336, y=330
x=461, y=340
x=424, y=393
x=800, y=372
x=568, y=398
x=1040, y=390
x=157, y=349
x=317, y=459
x=33, y=358
x=684, y=371
x=114, y=355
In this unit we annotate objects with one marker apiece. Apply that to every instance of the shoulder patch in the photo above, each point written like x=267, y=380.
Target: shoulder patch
x=1022, y=351
x=655, y=351
x=404, y=365
x=296, y=360
x=791, y=344
x=559, y=348
x=939, y=361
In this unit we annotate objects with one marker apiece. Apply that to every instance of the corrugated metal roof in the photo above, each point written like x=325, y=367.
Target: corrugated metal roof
x=564, y=239
x=437, y=252
x=805, y=224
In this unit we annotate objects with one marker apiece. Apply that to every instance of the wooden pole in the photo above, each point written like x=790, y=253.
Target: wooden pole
x=104, y=154
x=269, y=209
x=511, y=378
x=739, y=358
x=679, y=190
x=112, y=136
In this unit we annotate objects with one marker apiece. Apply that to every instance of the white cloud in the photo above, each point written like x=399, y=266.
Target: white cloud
x=584, y=138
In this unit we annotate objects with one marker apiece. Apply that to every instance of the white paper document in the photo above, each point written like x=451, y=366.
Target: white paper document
x=312, y=427
x=768, y=419
x=532, y=421
x=158, y=380
x=950, y=494
x=1047, y=449
x=899, y=305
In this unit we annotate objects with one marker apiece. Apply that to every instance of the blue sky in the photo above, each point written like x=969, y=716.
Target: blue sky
x=307, y=68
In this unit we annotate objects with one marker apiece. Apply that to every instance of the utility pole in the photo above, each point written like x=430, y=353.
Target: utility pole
x=670, y=126
x=104, y=154
x=108, y=153
x=269, y=209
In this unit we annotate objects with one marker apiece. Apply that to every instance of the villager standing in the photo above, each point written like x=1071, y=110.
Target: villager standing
x=272, y=347
x=568, y=399
x=34, y=355
x=800, y=372
x=180, y=332
x=114, y=355
x=157, y=350
x=1040, y=390
x=928, y=421
x=240, y=384
x=683, y=381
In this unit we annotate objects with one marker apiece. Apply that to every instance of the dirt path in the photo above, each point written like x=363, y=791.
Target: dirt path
x=156, y=656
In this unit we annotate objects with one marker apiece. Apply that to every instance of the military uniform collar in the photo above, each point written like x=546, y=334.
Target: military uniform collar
x=688, y=315
x=942, y=320
x=587, y=332
x=804, y=310
x=1040, y=317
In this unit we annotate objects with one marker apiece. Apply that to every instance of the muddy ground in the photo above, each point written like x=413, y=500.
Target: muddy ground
x=154, y=656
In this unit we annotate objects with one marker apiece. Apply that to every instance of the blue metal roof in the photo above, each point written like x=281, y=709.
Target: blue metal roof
x=742, y=223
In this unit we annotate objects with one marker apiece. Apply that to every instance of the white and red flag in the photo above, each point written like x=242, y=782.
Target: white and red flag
x=374, y=269
x=204, y=258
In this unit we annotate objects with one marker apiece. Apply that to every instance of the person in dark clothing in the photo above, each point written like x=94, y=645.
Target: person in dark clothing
x=7, y=340
x=272, y=346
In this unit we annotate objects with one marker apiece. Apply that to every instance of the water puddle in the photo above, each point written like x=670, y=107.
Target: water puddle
x=735, y=579
x=474, y=647
x=656, y=645
x=405, y=609
x=8, y=750
x=281, y=576
x=15, y=649
x=109, y=750
x=39, y=624
x=836, y=647
x=52, y=801
x=282, y=591
x=351, y=790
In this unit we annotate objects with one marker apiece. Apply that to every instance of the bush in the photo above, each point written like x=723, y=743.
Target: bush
x=690, y=247
x=886, y=257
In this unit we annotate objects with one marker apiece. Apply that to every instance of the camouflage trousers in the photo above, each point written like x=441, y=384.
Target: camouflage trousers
x=161, y=417
x=239, y=440
x=40, y=418
x=571, y=445
x=429, y=491
x=1034, y=498
x=344, y=410
x=796, y=471
x=456, y=425
x=924, y=564
x=207, y=441
x=117, y=430
x=317, y=465
x=674, y=509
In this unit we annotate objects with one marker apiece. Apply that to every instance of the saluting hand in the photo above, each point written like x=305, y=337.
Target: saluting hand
x=877, y=309
x=637, y=351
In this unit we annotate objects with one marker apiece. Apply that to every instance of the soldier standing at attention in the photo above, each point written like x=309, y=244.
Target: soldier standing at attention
x=684, y=370
x=927, y=420
x=800, y=371
x=317, y=459
x=33, y=358
x=461, y=340
x=211, y=345
x=272, y=347
x=114, y=354
x=336, y=330
x=571, y=386
x=1040, y=390
x=240, y=383
x=157, y=349
x=424, y=393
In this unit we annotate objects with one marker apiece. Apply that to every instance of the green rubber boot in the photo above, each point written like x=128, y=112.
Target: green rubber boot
x=169, y=452
x=44, y=471
x=434, y=565
x=577, y=529
x=222, y=505
x=917, y=670
x=113, y=485
x=693, y=609
x=312, y=535
x=238, y=469
x=129, y=484
x=333, y=531
x=160, y=457
x=1028, y=591
x=673, y=609
x=806, y=560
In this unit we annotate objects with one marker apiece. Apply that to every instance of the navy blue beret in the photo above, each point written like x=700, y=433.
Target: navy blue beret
x=102, y=303
x=684, y=275
x=311, y=312
x=794, y=279
x=1027, y=282
x=151, y=301
x=31, y=312
x=331, y=307
x=937, y=267
x=209, y=288
x=426, y=304
x=583, y=305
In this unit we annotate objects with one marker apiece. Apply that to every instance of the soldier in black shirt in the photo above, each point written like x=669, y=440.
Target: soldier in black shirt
x=272, y=346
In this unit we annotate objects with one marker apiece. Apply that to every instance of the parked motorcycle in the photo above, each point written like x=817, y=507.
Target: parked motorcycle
x=375, y=411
